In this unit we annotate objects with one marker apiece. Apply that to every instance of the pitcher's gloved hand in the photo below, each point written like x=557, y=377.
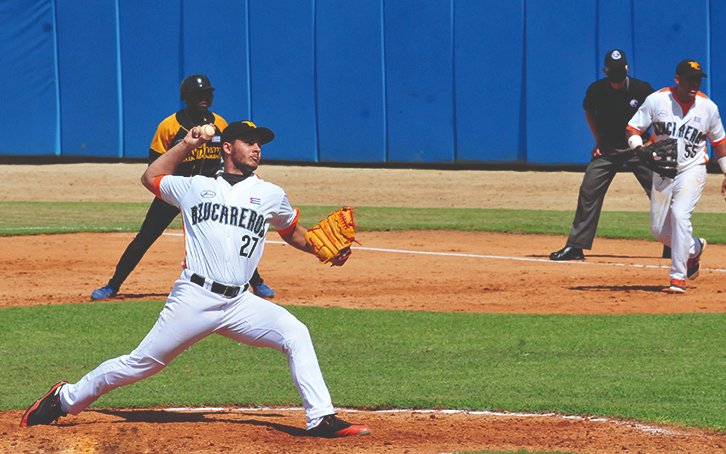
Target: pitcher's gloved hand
x=332, y=237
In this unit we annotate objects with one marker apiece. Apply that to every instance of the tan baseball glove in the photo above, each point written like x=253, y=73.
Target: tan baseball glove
x=332, y=237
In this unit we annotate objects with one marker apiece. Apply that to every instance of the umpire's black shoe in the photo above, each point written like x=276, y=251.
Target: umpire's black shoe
x=333, y=427
x=568, y=253
x=46, y=409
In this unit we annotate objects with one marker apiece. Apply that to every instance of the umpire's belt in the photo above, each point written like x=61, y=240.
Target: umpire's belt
x=228, y=291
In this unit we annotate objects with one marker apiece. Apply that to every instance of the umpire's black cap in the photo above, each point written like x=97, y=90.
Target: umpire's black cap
x=615, y=59
x=195, y=82
x=690, y=68
x=247, y=130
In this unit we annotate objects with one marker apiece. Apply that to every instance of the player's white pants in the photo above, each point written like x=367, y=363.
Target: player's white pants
x=672, y=204
x=192, y=313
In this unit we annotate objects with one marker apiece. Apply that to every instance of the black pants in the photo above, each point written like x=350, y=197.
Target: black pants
x=157, y=219
x=598, y=176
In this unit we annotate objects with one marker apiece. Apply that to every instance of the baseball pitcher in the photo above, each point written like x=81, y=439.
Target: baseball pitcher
x=225, y=221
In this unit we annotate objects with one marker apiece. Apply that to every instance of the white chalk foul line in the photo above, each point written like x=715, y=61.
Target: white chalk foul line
x=501, y=414
x=513, y=259
x=484, y=256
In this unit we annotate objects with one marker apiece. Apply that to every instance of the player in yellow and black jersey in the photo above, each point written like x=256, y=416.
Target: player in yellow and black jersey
x=197, y=93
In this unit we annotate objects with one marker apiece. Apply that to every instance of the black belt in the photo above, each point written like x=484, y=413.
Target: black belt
x=230, y=291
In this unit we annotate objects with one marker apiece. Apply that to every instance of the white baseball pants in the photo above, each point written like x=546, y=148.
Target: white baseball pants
x=192, y=313
x=672, y=204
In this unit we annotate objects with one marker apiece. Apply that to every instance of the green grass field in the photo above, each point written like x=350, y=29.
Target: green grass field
x=25, y=218
x=657, y=368
x=663, y=368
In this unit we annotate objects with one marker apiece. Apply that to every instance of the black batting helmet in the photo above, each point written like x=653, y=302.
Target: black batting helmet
x=195, y=82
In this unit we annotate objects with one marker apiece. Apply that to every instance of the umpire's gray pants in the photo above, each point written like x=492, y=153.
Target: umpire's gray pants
x=595, y=183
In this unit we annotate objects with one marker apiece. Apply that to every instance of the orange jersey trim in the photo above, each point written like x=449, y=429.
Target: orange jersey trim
x=684, y=107
x=634, y=129
x=292, y=226
x=157, y=186
x=722, y=141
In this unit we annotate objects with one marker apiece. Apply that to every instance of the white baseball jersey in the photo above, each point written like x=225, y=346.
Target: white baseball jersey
x=690, y=125
x=224, y=227
x=224, y=224
x=673, y=200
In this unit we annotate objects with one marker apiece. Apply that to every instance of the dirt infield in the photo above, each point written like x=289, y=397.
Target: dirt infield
x=279, y=431
x=500, y=273
x=469, y=272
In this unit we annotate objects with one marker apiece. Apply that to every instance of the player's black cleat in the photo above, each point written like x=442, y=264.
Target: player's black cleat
x=567, y=253
x=694, y=265
x=333, y=427
x=46, y=409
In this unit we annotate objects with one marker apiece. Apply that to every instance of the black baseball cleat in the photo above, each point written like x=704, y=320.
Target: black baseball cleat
x=567, y=253
x=694, y=265
x=333, y=427
x=46, y=409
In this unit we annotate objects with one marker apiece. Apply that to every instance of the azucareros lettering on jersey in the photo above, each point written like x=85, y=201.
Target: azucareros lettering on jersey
x=689, y=133
x=240, y=217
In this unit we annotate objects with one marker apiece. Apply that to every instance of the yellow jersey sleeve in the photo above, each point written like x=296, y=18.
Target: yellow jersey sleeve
x=165, y=133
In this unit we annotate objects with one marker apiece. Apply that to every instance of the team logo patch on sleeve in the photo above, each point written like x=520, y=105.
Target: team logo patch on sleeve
x=255, y=200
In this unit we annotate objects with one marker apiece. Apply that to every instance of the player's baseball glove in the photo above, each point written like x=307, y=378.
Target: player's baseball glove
x=331, y=238
x=661, y=157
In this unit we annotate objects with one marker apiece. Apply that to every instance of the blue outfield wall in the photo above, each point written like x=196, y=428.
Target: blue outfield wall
x=282, y=56
x=28, y=79
x=435, y=82
x=555, y=123
x=87, y=70
x=489, y=77
x=350, y=82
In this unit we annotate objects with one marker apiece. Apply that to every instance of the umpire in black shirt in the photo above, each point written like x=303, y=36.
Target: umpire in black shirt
x=609, y=104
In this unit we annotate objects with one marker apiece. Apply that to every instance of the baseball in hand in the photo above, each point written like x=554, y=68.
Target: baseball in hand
x=208, y=130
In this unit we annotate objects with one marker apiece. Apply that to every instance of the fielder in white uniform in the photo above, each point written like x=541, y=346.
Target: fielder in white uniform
x=686, y=114
x=225, y=221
